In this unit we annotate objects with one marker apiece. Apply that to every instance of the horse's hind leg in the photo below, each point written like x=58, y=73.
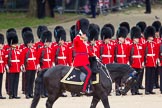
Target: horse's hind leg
x=95, y=101
x=104, y=99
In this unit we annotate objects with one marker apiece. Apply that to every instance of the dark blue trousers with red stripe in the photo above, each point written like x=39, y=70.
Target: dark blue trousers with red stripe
x=88, y=72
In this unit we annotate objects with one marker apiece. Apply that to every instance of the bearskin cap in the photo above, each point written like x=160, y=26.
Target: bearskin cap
x=82, y=26
x=135, y=32
x=59, y=33
x=28, y=37
x=12, y=38
x=149, y=32
x=106, y=32
x=1, y=38
x=72, y=32
x=10, y=30
x=112, y=28
x=122, y=32
x=46, y=36
x=93, y=32
x=126, y=25
x=25, y=29
x=157, y=25
x=142, y=25
x=40, y=30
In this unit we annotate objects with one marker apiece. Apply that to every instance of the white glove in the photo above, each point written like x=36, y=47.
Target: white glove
x=128, y=63
x=143, y=64
x=7, y=68
x=53, y=64
x=22, y=67
x=38, y=68
x=158, y=62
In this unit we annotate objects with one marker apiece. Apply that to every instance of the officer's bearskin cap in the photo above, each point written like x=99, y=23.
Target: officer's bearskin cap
x=135, y=32
x=82, y=26
x=12, y=38
x=142, y=25
x=93, y=32
x=149, y=32
x=112, y=28
x=59, y=33
x=46, y=36
x=160, y=32
x=157, y=25
x=122, y=32
x=72, y=32
x=126, y=25
x=106, y=32
x=1, y=38
x=40, y=30
x=10, y=30
x=28, y=37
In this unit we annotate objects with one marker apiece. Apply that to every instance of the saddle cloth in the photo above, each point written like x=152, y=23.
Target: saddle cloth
x=76, y=77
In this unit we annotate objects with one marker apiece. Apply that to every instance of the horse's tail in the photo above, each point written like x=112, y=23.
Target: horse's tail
x=37, y=90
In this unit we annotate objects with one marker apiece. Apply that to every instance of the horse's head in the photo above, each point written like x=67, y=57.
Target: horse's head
x=127, y=82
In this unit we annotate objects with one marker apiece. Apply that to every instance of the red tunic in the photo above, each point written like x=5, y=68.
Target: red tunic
x=61, y=54
x=81, y=49
x=151, y=54
x=94, y=49
x=137, y=55
x=45, y=57
x=122, y=52
x=13, y=59
x=107, y=53
x=28, y=57
x=2, y=60
x=39, y=45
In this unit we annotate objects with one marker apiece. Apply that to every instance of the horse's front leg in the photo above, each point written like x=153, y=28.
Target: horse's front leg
x=95, y=101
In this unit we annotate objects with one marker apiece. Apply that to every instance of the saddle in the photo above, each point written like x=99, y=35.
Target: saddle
x=76, y=77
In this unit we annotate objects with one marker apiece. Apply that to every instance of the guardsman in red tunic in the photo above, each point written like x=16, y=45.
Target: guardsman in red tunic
x=142, y=25
x=22, y=46
x=40, y=30
x=122, y=52
x=13, y=63
x=160, y=58
x=81, y=60
x=28, y=58
x=136, y=57
x=93, y=38
x=157, y=39
x=45, y=57
x=107, y=48
x=128, y=41
x=2, y=63
x=113, y=32
x=6, y=47
x=61, y=49
x=151, y=56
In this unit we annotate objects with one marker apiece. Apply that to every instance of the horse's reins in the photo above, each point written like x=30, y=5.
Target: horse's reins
x=108, y=73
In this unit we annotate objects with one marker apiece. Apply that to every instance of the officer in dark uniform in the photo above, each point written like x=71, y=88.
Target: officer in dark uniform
x=41, y=8
x=93, y=4
x=148, y=6
x=51, y=7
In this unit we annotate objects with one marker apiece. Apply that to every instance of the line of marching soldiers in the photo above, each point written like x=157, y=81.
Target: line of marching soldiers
x=143, y=49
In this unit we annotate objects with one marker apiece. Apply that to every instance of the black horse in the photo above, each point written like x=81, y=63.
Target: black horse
x=52, y=81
